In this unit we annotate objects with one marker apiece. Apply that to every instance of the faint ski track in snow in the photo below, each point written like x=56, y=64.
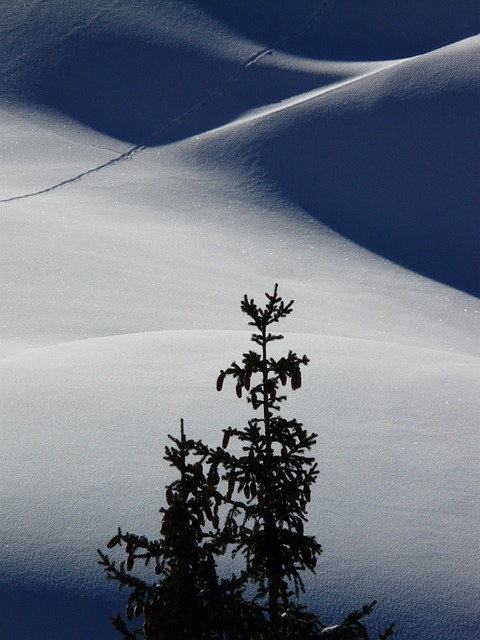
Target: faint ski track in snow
x=256, y=114
x=129, y=153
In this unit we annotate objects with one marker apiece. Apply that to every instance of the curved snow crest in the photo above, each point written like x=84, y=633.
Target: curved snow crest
x=452, y=73
x=238, y=98
x=217, y=338
x=389, y=160
x=85, y=424
x=171, y=238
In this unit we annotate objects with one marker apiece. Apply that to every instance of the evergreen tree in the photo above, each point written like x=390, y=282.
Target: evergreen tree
x=187, y=600
x=252, y=505
x=274, y=475
x=269, y=486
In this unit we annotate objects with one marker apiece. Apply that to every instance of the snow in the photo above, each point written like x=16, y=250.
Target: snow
x=344, y=167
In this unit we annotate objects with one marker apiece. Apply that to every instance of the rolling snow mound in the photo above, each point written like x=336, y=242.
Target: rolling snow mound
x=157, y=161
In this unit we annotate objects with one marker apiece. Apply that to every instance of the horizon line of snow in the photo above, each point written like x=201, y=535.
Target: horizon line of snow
x=286, y=334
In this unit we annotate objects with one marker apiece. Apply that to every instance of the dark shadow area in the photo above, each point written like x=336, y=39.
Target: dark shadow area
x=126, y=88
x=55, y=615
x=129, y=89
x=417, y=607
x=350, y=29
x=400, y=179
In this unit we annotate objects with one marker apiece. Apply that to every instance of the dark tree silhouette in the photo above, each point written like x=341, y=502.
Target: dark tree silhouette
x=187, y=600
x=274, y=475
x=251, y=505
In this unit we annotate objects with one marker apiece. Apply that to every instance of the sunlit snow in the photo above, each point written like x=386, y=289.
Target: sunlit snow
x=175, y=166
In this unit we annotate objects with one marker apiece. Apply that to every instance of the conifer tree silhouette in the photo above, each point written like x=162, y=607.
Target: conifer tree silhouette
x=275, y=474
x=269, y=487
x=187, y=600
x=251, y=505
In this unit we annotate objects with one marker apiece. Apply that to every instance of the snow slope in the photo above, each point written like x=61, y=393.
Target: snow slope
x=219, y=150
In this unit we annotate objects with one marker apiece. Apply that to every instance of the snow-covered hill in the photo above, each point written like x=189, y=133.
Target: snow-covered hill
x=183, y=154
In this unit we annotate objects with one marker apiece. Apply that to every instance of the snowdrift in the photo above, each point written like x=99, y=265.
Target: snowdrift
x=89, y=420
x=183, y=154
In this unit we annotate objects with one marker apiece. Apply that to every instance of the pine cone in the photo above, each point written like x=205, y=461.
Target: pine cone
x=296, y=380
x=220, y=380
x=226, y=439
x=113, y=542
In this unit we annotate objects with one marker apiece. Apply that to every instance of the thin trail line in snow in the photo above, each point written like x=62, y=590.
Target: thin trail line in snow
x=123, y=156
x=240, y=71
x=133, y=150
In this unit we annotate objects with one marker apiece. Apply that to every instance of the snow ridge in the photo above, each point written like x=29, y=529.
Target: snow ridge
x=219, y=91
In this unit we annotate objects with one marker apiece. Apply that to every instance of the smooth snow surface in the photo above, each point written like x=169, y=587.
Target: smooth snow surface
x=182, y=154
